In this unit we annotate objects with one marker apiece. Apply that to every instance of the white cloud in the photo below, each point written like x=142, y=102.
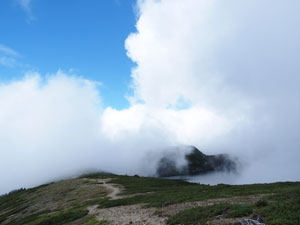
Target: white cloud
x=25, y=4
x=8, y=61
x=47, y=127
x=8, y=56
x=236, y=61
x=26, y=7
x=8, y=51
x=52, y=127
x=194, y=125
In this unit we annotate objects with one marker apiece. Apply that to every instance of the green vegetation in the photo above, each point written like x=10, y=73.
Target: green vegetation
x=204, y=214
x=95, y=222
x=261, y=203
x=44, y=218
x=162, y=192
x=12, y=203
x=62, y=217
x=66, y=202
x=100, y=175
x=29, y=219
x=283, y=208
x=29, y=206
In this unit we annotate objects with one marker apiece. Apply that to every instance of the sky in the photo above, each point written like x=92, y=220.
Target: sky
x=114, y=85
x=84, y=38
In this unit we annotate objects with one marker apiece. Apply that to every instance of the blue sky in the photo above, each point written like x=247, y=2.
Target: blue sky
x=86, y=37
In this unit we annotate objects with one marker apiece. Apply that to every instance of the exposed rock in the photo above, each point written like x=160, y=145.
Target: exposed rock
x=197, y=163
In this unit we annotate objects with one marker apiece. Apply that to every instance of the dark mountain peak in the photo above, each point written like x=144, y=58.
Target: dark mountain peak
x=197, y=163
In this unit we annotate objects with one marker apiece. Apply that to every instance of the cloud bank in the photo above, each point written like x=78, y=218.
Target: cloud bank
x=55, y=126
x=234, y=60
x=222, y=76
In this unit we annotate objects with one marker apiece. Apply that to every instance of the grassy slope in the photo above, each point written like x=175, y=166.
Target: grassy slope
x=56, y=203
x=66, y=201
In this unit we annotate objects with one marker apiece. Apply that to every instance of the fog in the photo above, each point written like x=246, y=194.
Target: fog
x=221, y=75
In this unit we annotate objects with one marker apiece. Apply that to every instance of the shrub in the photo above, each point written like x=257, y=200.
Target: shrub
x=261, y=203
x=63, y=217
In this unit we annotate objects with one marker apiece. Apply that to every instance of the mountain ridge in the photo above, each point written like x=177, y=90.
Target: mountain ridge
x=93, y=199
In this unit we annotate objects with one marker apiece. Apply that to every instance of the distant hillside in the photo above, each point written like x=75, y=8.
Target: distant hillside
x=112, y=199
x=197, y=163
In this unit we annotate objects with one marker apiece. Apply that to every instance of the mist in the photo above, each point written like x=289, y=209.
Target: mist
x=222, y=76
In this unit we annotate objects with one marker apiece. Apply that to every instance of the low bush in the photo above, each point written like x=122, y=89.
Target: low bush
x=205, y=214
x=63, y=217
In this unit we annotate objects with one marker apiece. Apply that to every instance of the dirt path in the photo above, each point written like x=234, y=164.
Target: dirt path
x=131, y=214
x=113, y=189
